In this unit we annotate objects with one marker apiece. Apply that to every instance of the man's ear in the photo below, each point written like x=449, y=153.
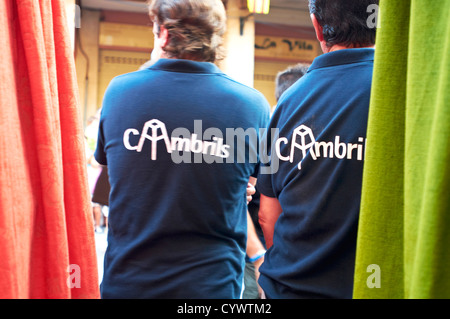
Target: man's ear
x=317, y=27
x=163, y=36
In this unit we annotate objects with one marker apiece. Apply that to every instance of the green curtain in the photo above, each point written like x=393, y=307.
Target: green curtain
x=403, y=248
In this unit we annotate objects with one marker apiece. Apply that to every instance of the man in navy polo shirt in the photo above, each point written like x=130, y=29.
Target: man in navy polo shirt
x=310, y=193
x=177, y=140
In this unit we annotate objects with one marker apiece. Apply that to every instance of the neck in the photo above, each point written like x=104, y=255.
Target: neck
x=338, y=47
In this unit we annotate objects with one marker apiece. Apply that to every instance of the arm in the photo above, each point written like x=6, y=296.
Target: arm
x=254, y=245
x=251, y=190
x=269, y=211
x=255, y=249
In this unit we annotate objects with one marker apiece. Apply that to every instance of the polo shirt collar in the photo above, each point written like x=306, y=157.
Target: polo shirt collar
x=345, y=56
x=185, y=66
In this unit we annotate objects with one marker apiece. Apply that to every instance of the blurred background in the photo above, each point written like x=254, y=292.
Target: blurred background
x=113, y=37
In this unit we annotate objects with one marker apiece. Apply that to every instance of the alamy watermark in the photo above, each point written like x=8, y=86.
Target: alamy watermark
x=374, y=280
x=373, y=21
x=74, y=278
x=210, y=145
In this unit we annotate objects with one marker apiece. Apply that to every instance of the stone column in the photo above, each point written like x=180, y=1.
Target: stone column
x=239, y=43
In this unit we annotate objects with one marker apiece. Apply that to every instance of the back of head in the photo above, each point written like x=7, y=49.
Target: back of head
x=344, y=22
x=288, y=77
x=196, y=27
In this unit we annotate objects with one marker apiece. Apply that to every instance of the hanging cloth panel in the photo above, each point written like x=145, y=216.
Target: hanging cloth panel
x=47, y=240
x=404, y=229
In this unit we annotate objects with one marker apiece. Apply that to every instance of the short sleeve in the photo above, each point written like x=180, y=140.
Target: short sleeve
x=100, y=154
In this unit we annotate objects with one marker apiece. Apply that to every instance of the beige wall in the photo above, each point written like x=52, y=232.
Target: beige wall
x=116, y=62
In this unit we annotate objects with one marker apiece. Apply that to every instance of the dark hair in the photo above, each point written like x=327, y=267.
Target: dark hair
x=196, y=27
x=288, y=77
x=344, y=22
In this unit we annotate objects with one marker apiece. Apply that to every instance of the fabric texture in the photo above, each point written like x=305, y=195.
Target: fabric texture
x=47, y=236
x=404, y=228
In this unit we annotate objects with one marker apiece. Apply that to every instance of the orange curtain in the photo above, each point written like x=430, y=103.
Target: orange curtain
x=47, y=247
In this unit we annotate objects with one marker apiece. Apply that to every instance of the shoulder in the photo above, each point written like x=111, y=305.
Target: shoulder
x=121, y=85
x=240, y=86
x=249, y=94
x=129, y=77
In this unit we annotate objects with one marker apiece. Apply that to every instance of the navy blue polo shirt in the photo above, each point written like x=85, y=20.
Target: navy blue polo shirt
x=317, y=154
x=172, y=137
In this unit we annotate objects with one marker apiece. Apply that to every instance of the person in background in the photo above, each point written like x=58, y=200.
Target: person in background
x=310, y=202
x=177, y=225
x=256, y=246
x=93, y=168
x=287, y=77
x=100, y=201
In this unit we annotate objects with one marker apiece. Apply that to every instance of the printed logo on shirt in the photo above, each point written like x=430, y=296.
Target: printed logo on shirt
x=303, y=141
x=239, y=145
x=206, y=146
x=155, y=130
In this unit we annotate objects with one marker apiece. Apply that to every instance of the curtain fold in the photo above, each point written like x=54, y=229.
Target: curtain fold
x=404, y=229
x=47, y=238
